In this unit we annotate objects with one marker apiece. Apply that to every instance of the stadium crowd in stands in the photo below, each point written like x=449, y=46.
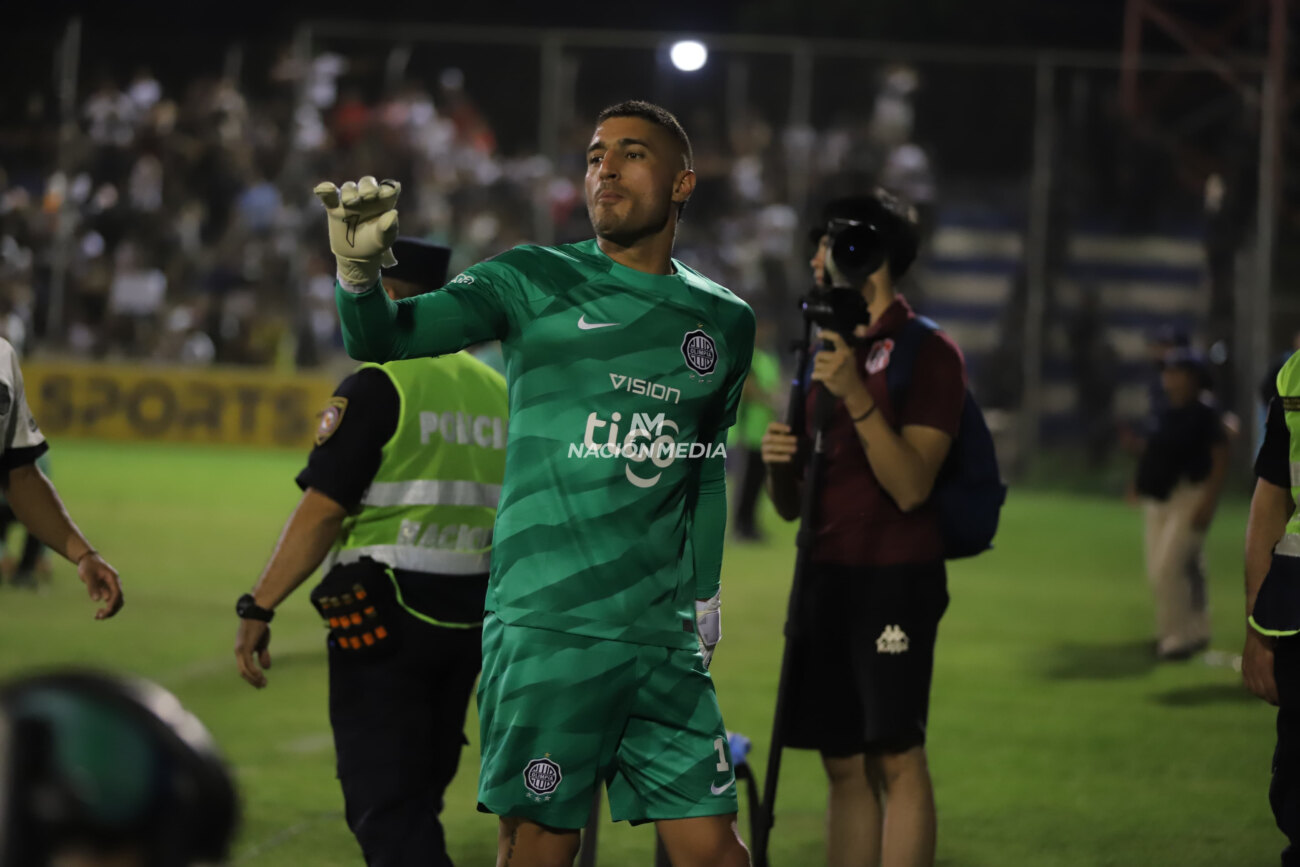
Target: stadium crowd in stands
x=177, y=205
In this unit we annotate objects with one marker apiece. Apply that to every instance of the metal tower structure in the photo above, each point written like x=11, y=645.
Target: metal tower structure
x=1243, y=44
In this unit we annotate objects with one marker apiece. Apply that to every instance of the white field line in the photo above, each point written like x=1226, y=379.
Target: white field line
x=225, y=663
x=279, y=838
x=1221, y=659
x=217, y=664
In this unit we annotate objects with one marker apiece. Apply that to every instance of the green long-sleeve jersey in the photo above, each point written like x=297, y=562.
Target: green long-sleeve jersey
x=622, y=385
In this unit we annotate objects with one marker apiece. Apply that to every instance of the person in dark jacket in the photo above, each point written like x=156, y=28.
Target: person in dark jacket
x=1179, y=478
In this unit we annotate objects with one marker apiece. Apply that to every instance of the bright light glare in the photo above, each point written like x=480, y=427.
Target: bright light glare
x=689, y=55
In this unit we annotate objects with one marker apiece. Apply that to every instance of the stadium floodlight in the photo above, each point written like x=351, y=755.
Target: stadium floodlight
x=688, y=55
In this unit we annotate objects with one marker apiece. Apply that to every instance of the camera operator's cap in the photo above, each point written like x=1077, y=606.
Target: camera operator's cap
x=861, y=209
x=420, y=262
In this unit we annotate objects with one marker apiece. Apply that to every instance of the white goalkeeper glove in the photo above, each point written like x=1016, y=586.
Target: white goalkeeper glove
x=708, y=625
x=363, y=226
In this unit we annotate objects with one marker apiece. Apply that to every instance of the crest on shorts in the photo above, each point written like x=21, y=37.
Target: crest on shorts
x=700, y=352
x=330, y=419
x=6, y=398
x=542, y=777
x=892, y=640
x=878, y=358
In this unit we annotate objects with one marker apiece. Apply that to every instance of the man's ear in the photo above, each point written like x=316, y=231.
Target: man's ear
x=684, y=186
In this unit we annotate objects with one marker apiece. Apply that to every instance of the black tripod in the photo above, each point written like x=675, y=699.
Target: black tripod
x=763, y=819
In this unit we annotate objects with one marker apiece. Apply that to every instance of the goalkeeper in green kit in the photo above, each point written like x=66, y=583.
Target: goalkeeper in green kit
x=625, y=368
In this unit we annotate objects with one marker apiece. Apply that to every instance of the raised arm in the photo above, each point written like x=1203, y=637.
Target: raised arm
x=377, y=328
x=362, y=226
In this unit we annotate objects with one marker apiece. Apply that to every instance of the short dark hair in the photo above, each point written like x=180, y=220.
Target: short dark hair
x=657, y=115
x=893, y=217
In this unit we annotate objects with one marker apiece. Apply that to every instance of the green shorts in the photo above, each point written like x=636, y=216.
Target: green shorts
x=560, y=713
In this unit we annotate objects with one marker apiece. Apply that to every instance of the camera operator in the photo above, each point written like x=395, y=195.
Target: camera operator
x=871, y=602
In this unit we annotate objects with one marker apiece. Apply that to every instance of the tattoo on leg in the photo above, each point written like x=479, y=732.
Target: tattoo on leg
x=510, y=850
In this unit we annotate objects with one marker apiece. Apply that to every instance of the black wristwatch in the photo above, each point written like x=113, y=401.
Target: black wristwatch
x=248, y=609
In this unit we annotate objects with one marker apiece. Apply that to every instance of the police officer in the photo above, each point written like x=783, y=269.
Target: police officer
x=1270, y=663
x=98, y=770
x=399, y=499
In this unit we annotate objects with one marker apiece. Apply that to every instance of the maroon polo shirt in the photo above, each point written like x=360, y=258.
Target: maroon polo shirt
x=858, y=523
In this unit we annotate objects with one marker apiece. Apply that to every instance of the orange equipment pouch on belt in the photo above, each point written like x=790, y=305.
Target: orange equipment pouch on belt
x=358, y=603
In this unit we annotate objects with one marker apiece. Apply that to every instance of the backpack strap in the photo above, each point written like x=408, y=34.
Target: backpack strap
x=902, y=359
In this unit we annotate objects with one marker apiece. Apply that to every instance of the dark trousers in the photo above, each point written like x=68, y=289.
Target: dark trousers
x=1284, y=791
x=398, y=731
x=751, y=485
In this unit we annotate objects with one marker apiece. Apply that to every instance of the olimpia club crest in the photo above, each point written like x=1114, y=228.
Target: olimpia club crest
x=700, y=352
x=542, y=777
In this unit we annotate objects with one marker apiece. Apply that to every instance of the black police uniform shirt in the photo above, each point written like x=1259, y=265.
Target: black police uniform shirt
x=1273, y=463
x=21, y=440
x=343, y=465
x=1179, y=448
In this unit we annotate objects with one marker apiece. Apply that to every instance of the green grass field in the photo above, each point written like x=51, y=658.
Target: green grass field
x=1055, y=741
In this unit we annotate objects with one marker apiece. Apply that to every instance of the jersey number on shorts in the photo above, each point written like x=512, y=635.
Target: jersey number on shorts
x=721, y=746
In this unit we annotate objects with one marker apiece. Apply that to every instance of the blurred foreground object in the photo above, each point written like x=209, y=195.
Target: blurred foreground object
x=98, y=770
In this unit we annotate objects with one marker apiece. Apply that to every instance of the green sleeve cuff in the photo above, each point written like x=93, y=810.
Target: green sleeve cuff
x=367, y=319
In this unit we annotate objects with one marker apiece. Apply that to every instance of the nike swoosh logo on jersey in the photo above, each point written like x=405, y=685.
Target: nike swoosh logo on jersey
x=587, y=326
x=718, y=790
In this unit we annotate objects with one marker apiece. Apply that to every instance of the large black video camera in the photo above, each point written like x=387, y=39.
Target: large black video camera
x=857, y=249
x=838, y=309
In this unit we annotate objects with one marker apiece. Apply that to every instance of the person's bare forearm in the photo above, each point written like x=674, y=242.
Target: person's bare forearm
x=900, y=468
x=1270, y=508
x=37, y=505
x=305, y=540
x=897, y=466
x=785, y=489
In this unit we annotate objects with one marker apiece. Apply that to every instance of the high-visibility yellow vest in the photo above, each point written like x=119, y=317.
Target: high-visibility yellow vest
x=433, y=501
x=1288, y=390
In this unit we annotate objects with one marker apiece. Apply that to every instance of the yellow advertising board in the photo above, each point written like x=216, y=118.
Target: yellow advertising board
x=166, y=404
